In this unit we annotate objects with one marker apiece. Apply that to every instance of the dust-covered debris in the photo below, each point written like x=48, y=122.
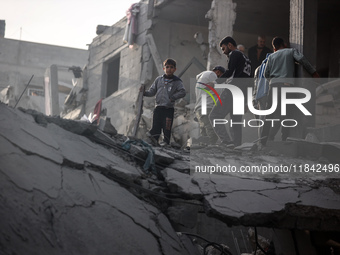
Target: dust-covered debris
x=64, y=180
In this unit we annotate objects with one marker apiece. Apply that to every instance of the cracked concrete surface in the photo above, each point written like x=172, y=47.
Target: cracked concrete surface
x=51, y=203
x=271, y=200
x=62, y=193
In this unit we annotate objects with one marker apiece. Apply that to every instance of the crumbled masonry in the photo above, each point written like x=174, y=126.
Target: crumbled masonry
x=62, y=180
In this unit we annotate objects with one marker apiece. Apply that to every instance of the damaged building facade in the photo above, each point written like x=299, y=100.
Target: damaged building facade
x=51, y=67
x=89, y=184
x=190, y=32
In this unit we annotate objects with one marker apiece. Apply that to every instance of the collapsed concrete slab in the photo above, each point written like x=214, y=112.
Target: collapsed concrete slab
x=260, y=196
x=322, y=151
x=54, y=199
x=58, y=187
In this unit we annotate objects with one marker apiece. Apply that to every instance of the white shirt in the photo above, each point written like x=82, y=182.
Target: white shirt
x=207, y=77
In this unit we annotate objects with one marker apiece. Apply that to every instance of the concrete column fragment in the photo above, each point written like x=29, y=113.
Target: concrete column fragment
x=147, y=65
x=296, y=24
x=303, y=27
x=303, y=37
x=151, y=4
x=222, y=16
x=51, y=91
x=155, y=55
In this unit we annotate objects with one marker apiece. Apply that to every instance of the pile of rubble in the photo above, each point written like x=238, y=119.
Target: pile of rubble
x=64, y=180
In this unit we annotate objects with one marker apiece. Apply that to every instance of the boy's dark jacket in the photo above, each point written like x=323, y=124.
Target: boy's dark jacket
x=166, y=94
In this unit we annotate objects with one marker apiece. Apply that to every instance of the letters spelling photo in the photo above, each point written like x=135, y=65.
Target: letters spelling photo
x=239, y=105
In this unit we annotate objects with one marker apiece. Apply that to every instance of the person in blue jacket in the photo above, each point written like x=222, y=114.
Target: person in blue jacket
x=260, y=97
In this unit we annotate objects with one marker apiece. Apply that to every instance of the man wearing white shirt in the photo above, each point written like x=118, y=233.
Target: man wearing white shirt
x=208, y=78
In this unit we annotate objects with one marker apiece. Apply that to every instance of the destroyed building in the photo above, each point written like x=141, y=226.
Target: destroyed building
x=73, y=179
x=190, y=32
x=69, y=188
x=45, y=64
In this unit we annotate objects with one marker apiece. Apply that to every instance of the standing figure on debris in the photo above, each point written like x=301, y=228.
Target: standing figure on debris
x=238, y=67
x=258, y=53
x=280, y=71
x=167, y=88
x=205, y=81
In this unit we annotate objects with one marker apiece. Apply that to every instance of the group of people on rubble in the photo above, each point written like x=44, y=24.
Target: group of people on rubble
x=261, y=69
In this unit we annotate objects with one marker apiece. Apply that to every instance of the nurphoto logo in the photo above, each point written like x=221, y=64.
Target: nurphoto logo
x=239, y=104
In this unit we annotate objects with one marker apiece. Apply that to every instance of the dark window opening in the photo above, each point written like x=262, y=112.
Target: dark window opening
x=112, y=76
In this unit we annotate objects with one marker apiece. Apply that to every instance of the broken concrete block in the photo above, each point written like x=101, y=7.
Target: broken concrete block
x=181, y=103
x=331, y=151
x=106, y=126
x=287, y=148
x=182, y=183
x=190, y=107
x=247, y=147
x=327, y=100
x=328, y=150
x=180, y=166
x=75, y=114
x=311, y=137
x=147, y=117
x=74, y=126
x=175, y=145
x=184, y=214
x=326, y=134
x=309, y=149
x=162, y=157
x=100, y=29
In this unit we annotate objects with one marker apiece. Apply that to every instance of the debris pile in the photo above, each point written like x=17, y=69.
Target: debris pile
x=63, y=180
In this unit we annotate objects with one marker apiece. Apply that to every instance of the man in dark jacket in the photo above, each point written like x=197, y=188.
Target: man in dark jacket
x=258, y=53
x=238, y=67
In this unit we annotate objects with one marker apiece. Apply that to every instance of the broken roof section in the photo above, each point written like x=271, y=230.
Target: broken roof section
x=68, y=177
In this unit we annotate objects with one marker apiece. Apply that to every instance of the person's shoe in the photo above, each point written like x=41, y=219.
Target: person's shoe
x=153, y=139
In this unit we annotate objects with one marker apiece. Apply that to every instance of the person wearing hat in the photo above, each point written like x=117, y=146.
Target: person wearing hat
x=204, y=80
x=238, y=67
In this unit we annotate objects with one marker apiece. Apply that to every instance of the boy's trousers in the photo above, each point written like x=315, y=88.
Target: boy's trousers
x=162, y=121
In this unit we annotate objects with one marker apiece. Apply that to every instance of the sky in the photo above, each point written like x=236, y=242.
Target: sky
x=69, y=23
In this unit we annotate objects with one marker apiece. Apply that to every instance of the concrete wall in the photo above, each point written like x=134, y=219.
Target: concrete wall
x=104, y=48
x=20, y=60
x=176, y=40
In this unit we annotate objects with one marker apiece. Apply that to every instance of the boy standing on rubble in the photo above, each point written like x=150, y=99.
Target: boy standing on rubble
x=167, y=88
